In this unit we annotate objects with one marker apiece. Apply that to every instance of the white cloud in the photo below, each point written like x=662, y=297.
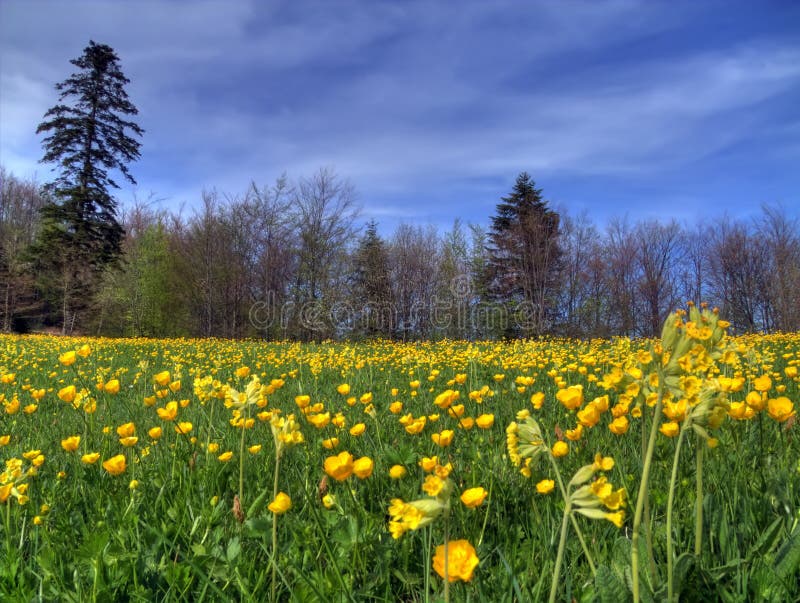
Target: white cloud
x=401, y=98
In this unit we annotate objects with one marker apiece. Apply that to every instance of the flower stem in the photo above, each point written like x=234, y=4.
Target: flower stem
x=275, y=523
x=578, y=531
x=446, y=557
x=643, y=486
x=583, y=544
x=698, y=511
x=670, y=499
x=560, y=555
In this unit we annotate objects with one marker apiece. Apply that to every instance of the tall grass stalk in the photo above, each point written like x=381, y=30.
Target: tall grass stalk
x=643, y=486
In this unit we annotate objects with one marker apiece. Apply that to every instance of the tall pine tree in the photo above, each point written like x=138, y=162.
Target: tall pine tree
x=372, y=286
x=87, y=134
x=524, y=258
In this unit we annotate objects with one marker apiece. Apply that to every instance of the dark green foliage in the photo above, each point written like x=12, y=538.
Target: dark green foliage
x=524, y=257
x=372, y=299
x=81, y=235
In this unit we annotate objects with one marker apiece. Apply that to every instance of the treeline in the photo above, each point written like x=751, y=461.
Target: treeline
x=294, y=260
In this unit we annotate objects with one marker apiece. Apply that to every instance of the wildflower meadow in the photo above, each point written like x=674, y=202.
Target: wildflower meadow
x=551, y=469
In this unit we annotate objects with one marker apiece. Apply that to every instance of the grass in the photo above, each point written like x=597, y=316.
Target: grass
x=83, y=534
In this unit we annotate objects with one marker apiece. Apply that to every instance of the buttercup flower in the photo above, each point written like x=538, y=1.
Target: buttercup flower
x=281, y=504
x=460, y=563
x=115, y=465
x=473, y=497
x=339, y=467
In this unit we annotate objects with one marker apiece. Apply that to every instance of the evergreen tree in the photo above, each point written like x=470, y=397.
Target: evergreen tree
x=373, y=290
x=524, y=256
x=86, y=138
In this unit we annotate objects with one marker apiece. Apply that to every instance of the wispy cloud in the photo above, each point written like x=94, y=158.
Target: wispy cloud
x=425, y=108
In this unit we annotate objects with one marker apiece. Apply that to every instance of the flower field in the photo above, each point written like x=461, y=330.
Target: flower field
x=571, y=470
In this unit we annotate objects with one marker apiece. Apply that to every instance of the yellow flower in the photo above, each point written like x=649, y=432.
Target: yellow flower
x=134, y=483
x=397, y=471
x=67, y=394
x=225, y=457
x=71, y=443
x=573, y=435
x=4, y=440
x=162, y=378
x=363, y=467
x=545, y=486
x=112, y=387
x=366, y=398
x=339, y=467
x=343, y=389
x=126, y=430
x=320, y=420
x=115, y=465
x=669, y=429
x=741, y=411
x=129, y=441
x=254, y=449
x=473, y=497
x=242, y=372
x=571, y=397
x=169, y=412
x=443, y=471
x=603, y=463
x=588, y=416
x=762, y=383
x=84, y=350
x=330, y=443
x=329, y=500
x=444, y=438
x=428, y=464
x=183, y=427
x=5, y=491
x=433, y=485
x=537, y=400
x=790, y=371
x=396, y=407
x=155, y=433
x=485, y=421
x=616, y=518
x=67, y=358
x=780, y=409
x=460, y=563
x=466, y=423
x=756, y=400
x=357, y=429
x=560, y=449
x=281, y=504
x=91, y=458
x=619, y=425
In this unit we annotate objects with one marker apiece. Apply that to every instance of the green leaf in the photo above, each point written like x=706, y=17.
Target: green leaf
x=683, y=565
x=609, y=587
x=767, y=540
x=256, y=527
x=787, y=559
x=234, y=548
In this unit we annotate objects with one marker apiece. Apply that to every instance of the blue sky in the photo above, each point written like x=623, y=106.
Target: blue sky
x=650, y=108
